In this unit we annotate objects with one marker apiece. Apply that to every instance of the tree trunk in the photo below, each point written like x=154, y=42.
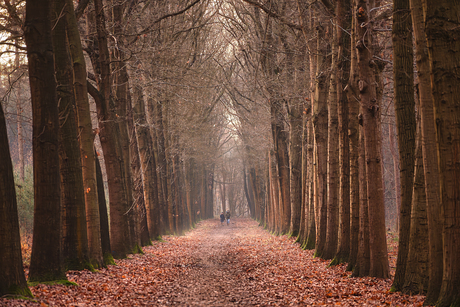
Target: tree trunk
x=120, y=239
x=332, y=231
x=12, y=279
x=46, y=260
x=148, y=163
x=19, y=116
x=86, y=140
x=320, y=129
x=280, y=139
x=151, y=120
x=348, y=241
x=162, y=166
x=103, y=217
x=403, y=73
x=311, y=216
x=249, y=197
x=443, y=38
x=139, y=198
x=396, y=173
x=372, y=142
x=74, y=235
x=416, y=277
x=363, y=257
x=121, y=99
x=430, y=156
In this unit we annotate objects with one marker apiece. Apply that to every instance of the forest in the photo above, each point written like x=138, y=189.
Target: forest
x=334, y=123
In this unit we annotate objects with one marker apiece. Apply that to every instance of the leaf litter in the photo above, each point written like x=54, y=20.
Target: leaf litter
x=219, y=265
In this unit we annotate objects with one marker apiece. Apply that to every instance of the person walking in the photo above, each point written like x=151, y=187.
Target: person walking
x=227, y=216
x=222, y=218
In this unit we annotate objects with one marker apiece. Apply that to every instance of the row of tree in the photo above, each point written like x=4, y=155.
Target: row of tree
x=279, y=101
x=157, y=140
x=323, y=178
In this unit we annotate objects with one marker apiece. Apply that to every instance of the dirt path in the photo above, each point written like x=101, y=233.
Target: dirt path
x=214, y=265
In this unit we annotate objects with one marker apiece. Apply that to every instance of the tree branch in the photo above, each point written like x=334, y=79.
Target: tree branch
x=149, y=28
x=274, y=14
x=94, y=92
x=80, y=9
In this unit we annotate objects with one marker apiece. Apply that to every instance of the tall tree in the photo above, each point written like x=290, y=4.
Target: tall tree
x=348, y=242
x=12, y=279
x=403, y=73
x=416, y=277
x=46, y=260
x=363, y=255
x=74, y=235
x=120, y=239
x=367, y=85
x=122, y=99
x=443, y=37
x=86, y=139
x=148, y=163
x=330, y=249
x=320, y=132
x=430, y=156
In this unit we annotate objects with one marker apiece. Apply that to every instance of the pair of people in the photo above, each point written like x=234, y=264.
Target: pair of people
x=225, y=217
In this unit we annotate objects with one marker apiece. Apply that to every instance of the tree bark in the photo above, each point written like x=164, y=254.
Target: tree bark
x=379, y=266
x=416, y=277
x=142, y=229
x=443, y=38
x=74, y=235
x=86, y=139
x=103, y=217
x=12, y=279
x=348, y=240
x=147, y=157
x=363, y=257
x=120, y=239
x=311, y=216
x=320, y=131
x=332, y=231
x=121, y=99
x=403, y=73
x=430, y=156
x=46, y=260
x=162, y=166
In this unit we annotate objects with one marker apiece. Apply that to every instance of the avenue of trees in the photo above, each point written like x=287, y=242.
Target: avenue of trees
x=330, y=121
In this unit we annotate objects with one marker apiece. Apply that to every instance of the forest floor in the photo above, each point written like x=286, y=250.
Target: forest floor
x=219, y=265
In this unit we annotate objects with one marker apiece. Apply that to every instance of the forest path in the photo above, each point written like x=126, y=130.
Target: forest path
x=220, y=265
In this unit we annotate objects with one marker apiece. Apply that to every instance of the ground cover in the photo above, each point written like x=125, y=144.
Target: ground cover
x=219, y=265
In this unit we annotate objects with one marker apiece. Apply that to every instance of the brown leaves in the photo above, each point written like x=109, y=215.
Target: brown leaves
x=216, y=265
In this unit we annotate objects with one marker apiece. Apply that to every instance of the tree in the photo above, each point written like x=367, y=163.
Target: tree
x=86, y=140
x=430, y=156
x=348, y=234
x=120, y=239
x=74, y=235
x=148, y=163
x=320, y=123
x=12, y=279
x=46, y=260
x=331, y=243
x=443, y=38
x=379, y=266
x=405, y=123
x=416, y=277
